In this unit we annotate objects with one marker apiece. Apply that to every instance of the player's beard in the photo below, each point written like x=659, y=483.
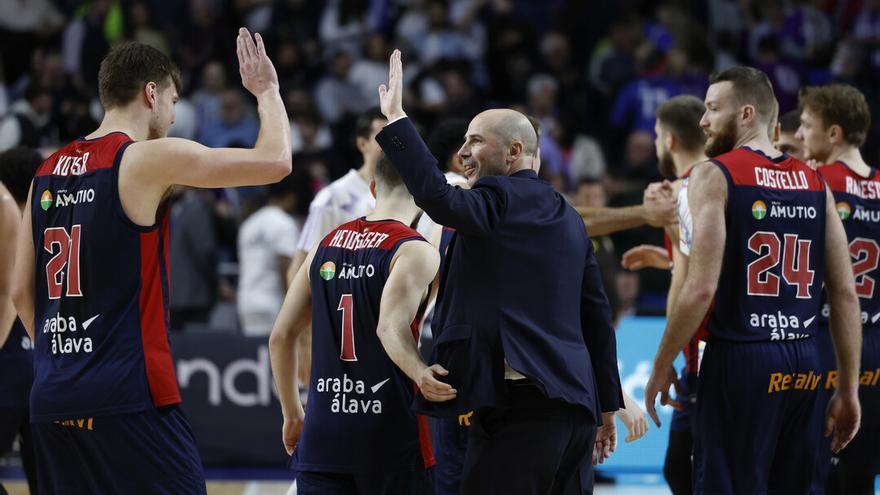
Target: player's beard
x=722, y=141
x=667, y=165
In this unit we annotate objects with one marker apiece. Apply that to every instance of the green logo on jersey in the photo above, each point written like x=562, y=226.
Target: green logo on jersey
x=328, y=270
x=46, y=200
x=759, y=210
x=843, y=210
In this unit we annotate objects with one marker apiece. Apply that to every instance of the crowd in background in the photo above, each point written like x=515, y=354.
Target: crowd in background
x=592, y=72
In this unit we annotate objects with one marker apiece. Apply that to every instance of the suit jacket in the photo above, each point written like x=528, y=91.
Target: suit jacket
x=521, y=283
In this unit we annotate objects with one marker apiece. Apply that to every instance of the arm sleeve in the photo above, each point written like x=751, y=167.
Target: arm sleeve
x=599, y=335
x=471, y=211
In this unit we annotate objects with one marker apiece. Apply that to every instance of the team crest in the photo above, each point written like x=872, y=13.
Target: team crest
x=327, y=270
x=844, y=210
x=759, y=210
x=46, y=200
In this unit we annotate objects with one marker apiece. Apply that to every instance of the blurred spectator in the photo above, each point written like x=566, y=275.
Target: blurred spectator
x=787, y=143
x=592, y=193
x=235, y=128
x=626, y=288
x=314, y=154
x=266, y=243
x=193, y=254
x=29, y=121
x=370, y=71
x=783, y=75
x=586, y=161
x=140, y=28
x=22, y=25
x=637, y=102
x=86, y=41
x=866, y=30
x=445, y=41
x=335, y=95
x=343, y=26
x=207, y=98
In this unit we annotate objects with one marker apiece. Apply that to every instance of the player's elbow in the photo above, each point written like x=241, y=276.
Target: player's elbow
x=278, y=167
x=20, y=296
x=703, y=291
x=843, y=297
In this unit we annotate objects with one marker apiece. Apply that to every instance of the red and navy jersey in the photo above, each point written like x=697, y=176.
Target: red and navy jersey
x=358, y=418
x=771, y=279
x=858, y=204
x=101, y=305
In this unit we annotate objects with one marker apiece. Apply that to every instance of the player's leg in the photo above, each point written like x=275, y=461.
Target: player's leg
x=737, y=418
x=860, y=460
x=825, y=464
x=535, y=446
x=147, y=452
x=10, y=424
x=26, y=449
x=321, y=483
x=796, y=451
x=677, y=466
x=61, y=466
x=410, y=481
x=450, y=448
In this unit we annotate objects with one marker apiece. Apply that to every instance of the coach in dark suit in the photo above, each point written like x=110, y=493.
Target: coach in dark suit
x=522, y=322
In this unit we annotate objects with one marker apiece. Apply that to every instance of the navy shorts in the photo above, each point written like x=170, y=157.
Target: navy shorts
x=450, y=447
x=862, y=452
x=685, y=418
x=757, y=418
x=415, y=481
x=151, y=452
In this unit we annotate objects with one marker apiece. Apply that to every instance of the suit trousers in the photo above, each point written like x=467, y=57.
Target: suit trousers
x=533, y=445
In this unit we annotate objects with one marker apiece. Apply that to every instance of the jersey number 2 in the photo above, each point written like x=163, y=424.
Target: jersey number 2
x=67, y=255
x=346, y=305
x=865, y=256
x=795, y=264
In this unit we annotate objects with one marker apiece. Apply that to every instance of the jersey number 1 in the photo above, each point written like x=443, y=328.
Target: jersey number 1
x=67, y=255
x=346, y=305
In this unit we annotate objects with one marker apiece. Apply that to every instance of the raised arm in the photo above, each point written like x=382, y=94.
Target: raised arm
x=473, y=212
x=707, y=197
x=412, y=270
x=168, y=161
x=293, y=319
x=843, y=413
x=10, y=221
x=23, y=276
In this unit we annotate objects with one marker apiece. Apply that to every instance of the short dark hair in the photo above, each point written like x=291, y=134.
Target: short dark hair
x=790, y=122
x=128, y=67
x=386, y=173
x=364, y=125
x=17, y=169
x=751, y=87
x=840, y=104
x=681, y=116
x=446, y=139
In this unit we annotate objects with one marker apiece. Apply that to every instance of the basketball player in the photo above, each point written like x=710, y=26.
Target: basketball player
x=785, y=138
x=835, y=120
x=17, y=167
x=776, y=225
x=362, y=290
x=91, y=277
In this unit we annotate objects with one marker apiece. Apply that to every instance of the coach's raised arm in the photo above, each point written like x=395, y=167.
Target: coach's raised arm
x=522, y=321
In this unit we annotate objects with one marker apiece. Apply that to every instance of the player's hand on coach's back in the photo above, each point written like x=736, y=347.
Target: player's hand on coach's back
x=431, y=387
x=842, y=419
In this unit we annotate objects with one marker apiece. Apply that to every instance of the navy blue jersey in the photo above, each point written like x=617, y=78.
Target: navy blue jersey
x=358, y=418
x=101, y=302
x=771, y=279
x=16, y=368
x=858, y=204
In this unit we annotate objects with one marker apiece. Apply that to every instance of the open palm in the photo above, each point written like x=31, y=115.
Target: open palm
x=257, y=72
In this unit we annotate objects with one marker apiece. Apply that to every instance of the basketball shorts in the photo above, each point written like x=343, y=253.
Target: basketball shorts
x=151, y=452
x=684, y=418
x=414, y=481
x=450, y=447
x=864, y=449
x=757, y=414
